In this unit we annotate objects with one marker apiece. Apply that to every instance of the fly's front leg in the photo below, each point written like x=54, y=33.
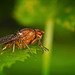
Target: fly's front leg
x=27, y=46
x=42, y=47
x=33, y=41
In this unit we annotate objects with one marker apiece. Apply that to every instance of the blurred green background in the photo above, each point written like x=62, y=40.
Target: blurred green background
x=57, y=19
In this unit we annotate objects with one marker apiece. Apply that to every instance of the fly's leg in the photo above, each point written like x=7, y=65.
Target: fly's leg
x=13, y=47
x=19, y=44
x=27, y=46
x=23, y=44
x=42, y=47
x=5, y=47
x=33, y=41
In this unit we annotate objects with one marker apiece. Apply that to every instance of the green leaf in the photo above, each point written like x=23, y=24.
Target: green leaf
x=6, y=59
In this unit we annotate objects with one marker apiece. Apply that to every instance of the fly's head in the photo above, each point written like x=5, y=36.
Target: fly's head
x=38, y=33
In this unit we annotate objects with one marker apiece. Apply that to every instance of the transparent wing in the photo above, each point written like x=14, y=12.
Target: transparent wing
x=8, y=38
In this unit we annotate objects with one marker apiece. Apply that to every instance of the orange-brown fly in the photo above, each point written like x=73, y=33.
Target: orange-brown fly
x=22, y=38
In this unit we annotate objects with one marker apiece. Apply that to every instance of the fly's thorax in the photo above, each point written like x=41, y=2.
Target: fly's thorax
x=26, y=34
x=25, y=31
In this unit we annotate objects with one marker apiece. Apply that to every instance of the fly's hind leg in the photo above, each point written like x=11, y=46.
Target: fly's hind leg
x=13, y=47
x=5, y=47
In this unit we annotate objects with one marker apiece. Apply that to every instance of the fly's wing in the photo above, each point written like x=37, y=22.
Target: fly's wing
x=8, y=38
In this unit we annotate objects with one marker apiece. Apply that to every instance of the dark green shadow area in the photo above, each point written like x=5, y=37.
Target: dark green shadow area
x=6, y=8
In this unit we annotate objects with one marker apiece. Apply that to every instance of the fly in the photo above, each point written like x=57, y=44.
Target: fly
x=22, y=39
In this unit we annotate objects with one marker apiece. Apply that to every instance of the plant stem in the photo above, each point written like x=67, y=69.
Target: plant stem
x=48, y=39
